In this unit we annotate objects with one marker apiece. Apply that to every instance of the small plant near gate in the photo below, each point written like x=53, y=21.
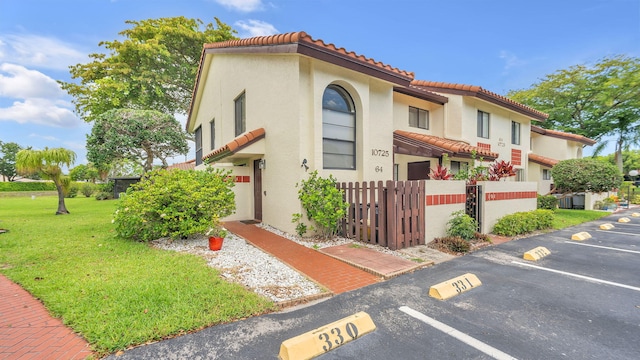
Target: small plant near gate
x=440, y=173
x=451, y=244
x=548, y=202
x=524, y=222
x=462, y=225
x=301, y=228
x=323, y=203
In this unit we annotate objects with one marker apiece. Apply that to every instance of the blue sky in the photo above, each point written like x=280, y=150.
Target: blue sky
x=497, y=44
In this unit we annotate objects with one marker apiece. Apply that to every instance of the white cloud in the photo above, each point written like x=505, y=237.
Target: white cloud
x=43, y=137
x=242, y=5
x=40, y=98
x=40, y=111
x=39, y=52
x=251, y=28
x=21, y=83
x=511, y=60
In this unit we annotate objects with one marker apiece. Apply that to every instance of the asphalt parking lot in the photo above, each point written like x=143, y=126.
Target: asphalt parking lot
x=582, y=301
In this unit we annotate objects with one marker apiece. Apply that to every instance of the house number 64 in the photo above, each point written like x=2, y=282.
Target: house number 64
x=378, y=168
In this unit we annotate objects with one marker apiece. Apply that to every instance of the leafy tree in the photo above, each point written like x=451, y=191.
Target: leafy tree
x=78, y=173
x=630, y=160
x=585, y=175
x=598, y=102
x=8, y=152
x=137, y=135
x=154, y=67
x=125, y=167
x=48, y=163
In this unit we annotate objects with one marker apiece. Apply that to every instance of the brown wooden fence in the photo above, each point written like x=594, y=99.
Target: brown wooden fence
x=390, y=215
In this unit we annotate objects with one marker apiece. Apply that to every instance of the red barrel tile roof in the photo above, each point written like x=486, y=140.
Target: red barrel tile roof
x=479, y=92
x=235, y=145
x=542, y=160
x=563, y=135
x=457, y=147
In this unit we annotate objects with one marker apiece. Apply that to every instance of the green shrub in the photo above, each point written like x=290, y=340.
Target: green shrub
x=73, y=191
x=27, y=186
x=462, y=225
x=175, y=203
x=323, y=203
x=88, y=189
x=524, y=222
x=453, y=244
x=549, y=202
x=103, y=195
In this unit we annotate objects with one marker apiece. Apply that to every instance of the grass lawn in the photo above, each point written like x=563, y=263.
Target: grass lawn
x=566, y=217
x=114, y=292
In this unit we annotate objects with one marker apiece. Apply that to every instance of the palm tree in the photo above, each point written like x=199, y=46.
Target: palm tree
x=48, y=164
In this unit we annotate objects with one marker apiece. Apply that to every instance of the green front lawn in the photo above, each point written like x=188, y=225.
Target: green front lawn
x=114, y=292
x=563, y=218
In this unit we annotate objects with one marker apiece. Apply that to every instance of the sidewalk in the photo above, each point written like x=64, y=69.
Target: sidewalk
x=27, y=331
x=333, y=274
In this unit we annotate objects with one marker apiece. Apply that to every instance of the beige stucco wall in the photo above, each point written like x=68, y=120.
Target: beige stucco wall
x=401, y=103
x=555, y=148
x=492, y=211
x=437, y=216
x=535, y=175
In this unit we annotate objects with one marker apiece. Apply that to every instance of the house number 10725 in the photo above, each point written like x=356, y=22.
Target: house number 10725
x=379, y=152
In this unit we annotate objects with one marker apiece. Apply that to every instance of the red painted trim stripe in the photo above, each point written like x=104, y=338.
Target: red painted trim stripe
x=510, y=195
x=445, y=199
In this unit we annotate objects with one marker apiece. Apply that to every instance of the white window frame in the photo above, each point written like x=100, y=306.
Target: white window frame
x=484, y=119
x=420, y=119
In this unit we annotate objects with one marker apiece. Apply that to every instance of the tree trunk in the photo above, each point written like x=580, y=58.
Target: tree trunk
x=62, y=208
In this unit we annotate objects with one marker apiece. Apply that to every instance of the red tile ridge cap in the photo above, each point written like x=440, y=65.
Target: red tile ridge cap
x=435, y=85
x=299, y=37
x=564, y=135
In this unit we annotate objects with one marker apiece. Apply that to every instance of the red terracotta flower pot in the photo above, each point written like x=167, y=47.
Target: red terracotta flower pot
x=215, y=243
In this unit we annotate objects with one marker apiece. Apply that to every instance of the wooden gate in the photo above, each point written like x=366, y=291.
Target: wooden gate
x=390, y=216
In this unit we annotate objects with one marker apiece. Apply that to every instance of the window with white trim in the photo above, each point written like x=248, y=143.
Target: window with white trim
x=483, y=124
x=198, y=139
x=515, y=133
x=418, y=118
x=240, y=114
x=546, y=174
x=212, y=128
x=338, y=129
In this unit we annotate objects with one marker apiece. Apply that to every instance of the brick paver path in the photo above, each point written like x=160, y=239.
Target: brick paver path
x=334, y=274
x=27, y=331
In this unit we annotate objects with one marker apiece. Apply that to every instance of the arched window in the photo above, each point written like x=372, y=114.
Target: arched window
x=338, y=129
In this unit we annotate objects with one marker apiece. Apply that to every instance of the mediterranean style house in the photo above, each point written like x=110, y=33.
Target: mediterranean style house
x=274, y=108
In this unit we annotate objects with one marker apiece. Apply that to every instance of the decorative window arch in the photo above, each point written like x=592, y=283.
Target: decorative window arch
x=338, y=129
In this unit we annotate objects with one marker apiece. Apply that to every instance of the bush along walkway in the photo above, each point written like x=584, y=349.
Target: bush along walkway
x=27, y=331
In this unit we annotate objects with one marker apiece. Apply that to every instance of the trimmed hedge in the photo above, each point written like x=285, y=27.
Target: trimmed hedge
x=524, y=222
x=27, y=186
x=549, y=202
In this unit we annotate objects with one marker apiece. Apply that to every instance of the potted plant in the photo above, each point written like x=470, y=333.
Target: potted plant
x=216, y=235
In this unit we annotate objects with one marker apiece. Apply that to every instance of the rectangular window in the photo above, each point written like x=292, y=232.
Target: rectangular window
x=418, y=118
x=483, y=124
x=396, y=172
x=198, y=145
x=338, y=140
x=515, y=133
x=546, y=174
x=520, y=175
x=240, y=114
x=213, y=133
x=457, y=166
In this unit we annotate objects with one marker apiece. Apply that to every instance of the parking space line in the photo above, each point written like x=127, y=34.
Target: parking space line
x=579, y=276
x=603, y=247
x=618, y=232
x=473, y=342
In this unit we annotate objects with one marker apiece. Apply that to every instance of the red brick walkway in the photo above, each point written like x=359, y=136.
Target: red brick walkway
x=27, y=331
x=335, y=275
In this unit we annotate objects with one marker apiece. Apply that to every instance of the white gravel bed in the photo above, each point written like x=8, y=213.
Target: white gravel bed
x=243, y=263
